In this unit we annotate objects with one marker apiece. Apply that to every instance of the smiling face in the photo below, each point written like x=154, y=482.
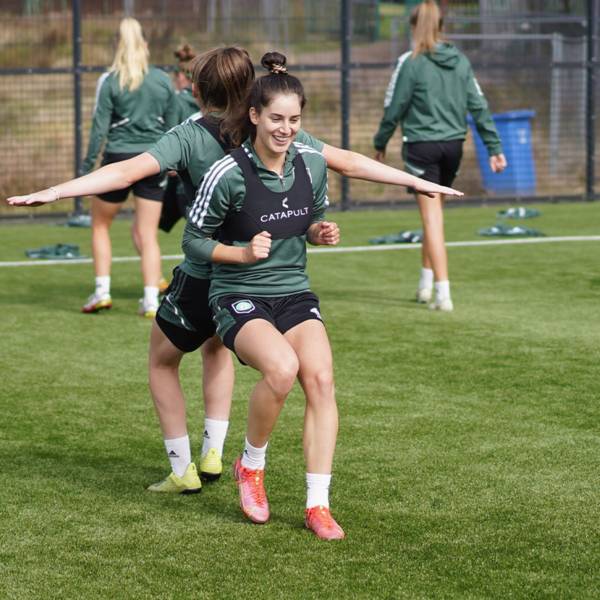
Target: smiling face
x=277, y=124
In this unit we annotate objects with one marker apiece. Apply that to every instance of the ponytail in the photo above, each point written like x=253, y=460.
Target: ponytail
x=131, y=57
x=222, y=78
x=426, y=22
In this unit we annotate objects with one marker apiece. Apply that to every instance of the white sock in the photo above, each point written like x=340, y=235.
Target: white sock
x=150, y=295
x=442, y=290
x=215, y=432
x=254, y=458
x=426, y=280
x=103, y=285
x=317, y=489
x=179, y=454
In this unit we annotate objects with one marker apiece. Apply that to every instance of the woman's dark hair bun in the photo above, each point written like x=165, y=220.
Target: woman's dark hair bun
x=274, y=62
x=184, y=53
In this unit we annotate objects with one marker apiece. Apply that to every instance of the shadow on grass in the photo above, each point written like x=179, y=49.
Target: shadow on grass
x=65, y=296
x=125, y=482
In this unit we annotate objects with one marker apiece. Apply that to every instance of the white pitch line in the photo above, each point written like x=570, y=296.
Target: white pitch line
x=343, y=249
x=466, y=244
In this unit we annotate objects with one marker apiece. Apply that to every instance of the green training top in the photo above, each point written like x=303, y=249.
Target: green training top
x=188, y=107
x=223, y=192
x=131, y=121
x=429, y=97
x=190, y=148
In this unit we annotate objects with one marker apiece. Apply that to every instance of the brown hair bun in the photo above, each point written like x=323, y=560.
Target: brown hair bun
x=274, y=62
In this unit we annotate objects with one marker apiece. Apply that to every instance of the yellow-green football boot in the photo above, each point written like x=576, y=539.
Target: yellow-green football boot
x=188, y=484
x=211, y=465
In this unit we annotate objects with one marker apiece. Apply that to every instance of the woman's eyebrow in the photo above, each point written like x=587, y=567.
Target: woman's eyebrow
x=280, y=115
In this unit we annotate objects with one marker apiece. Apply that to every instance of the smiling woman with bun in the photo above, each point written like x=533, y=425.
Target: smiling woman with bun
x=264, y=202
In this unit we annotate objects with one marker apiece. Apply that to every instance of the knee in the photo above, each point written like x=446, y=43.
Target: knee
x=320, y=384
x=99, y=224
x=281, y=376
x=144, y=235
x=212, y=349
x=159, y=363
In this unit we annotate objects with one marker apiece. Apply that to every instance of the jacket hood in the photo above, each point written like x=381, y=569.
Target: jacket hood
x=444, y=55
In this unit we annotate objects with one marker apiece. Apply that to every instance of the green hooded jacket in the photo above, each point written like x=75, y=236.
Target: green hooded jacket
x=131, y=121
x=429, y=97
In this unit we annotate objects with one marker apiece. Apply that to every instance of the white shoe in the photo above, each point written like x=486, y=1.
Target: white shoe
x=445, y=304
x=424, y=295
x=148, y=309
x=97, y=302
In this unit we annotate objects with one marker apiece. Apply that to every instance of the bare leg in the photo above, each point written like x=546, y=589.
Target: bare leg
x=310, y=342
x=165, y=387
x=217, y=379
x=434, y=248
x=103, y=214
x=277, y=362
x=147, y=216
x=135, y=237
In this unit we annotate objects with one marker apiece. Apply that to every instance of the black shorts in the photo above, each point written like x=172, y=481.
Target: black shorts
x=184, y=315
x=437, y=162
x=284, y=312
x=149, y=188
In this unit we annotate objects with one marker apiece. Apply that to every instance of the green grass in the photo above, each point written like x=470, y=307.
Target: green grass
x=468, y=453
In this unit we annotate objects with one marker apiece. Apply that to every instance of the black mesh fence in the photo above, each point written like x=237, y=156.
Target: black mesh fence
x=531, y=60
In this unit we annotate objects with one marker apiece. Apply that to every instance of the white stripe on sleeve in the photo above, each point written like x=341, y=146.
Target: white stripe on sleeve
x=389, y=94
x=101, y=80
x=200, y=206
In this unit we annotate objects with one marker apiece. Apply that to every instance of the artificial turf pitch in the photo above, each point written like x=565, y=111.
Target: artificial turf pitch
x=468, y=455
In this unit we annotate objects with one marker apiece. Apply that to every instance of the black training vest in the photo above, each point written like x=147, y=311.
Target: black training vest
x=213, y=127
x=282, y=214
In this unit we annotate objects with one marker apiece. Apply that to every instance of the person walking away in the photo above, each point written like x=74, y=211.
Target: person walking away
x=429, y=94
x=135, y=105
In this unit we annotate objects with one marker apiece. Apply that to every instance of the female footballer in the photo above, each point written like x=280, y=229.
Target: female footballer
x=135, y=105
x=175, y=198
x=429, y=94
x=263, y=202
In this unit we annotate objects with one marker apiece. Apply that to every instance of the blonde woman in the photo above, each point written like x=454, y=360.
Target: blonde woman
x=429, y=95
x=135, y=105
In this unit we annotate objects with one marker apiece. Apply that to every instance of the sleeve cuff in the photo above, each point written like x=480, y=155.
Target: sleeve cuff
x=494, y=150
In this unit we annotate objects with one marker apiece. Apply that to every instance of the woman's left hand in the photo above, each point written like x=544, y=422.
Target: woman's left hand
x=429, y=189
x=325, y=233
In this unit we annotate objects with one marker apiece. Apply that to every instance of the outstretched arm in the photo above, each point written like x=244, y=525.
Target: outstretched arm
x=358, y=166
x=114, y=176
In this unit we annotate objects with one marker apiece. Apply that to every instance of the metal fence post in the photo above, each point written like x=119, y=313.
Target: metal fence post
x=77, y=205
x=590, y=109
x=346, y=29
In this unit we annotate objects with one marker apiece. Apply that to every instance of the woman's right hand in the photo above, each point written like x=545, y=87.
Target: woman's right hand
x=498, y=163
x=258, y=248
x=35, y=199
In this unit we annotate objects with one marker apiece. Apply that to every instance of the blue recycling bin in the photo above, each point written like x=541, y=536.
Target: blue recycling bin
x=518, y=178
